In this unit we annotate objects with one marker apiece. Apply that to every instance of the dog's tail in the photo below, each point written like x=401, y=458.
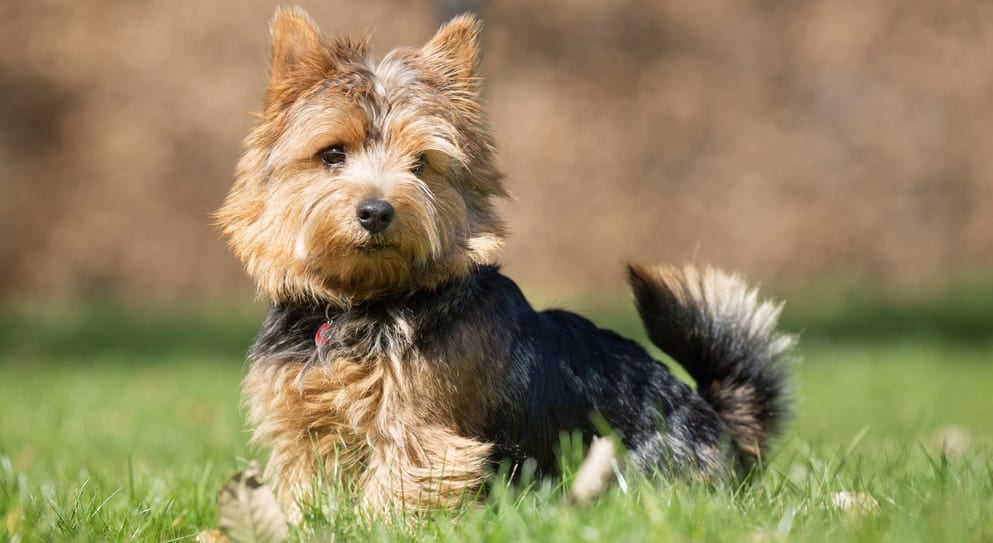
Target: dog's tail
x=715, y=326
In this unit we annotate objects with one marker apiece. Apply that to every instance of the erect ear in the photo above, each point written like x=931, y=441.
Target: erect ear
x=453, y=53
x=299, y=55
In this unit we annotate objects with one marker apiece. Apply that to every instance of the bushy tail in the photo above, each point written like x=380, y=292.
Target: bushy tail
x=714, y=325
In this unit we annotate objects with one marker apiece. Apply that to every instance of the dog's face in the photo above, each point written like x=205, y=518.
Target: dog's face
x=364, y=179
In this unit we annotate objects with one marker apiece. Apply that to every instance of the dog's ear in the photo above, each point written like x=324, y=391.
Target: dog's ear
x=297, y=44
x=298, y=56
x=453, y=53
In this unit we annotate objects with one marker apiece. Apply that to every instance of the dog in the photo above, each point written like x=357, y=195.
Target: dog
x=396, y=356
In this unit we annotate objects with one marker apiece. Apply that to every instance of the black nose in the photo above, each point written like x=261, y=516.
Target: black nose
x=375, y=215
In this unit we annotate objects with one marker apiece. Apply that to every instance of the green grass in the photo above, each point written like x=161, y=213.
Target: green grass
x=121, y=425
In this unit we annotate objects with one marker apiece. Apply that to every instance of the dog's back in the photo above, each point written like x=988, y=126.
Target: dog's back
x=565, y=373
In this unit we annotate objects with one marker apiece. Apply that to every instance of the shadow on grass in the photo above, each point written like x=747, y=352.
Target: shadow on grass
x=961, y=319
x=961, y=315
x=112, y=330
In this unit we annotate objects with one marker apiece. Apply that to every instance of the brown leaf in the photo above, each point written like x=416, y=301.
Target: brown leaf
x=952, y=440
x=247, y=511
x=855, y=502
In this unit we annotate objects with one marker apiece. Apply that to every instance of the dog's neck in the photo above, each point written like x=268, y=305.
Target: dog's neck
x=389, y=326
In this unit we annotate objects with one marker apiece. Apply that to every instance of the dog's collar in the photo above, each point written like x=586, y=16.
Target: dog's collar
x=323, y=334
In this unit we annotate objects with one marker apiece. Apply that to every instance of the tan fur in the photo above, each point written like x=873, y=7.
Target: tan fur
x=739, y=408
x=385, y=433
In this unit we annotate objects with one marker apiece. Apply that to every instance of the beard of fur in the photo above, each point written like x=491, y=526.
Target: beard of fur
x=300, y=238
x=420, y=248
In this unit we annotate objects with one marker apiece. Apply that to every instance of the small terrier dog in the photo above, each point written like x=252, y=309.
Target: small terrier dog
x=395, y=355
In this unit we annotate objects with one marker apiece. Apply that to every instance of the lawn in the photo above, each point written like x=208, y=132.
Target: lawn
x=122, y=425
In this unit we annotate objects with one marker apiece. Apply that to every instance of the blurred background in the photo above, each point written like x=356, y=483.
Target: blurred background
x=799, y=142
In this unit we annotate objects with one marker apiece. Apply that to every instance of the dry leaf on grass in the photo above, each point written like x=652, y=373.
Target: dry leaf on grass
x=952, y=440
x=247, y=511
x=855, y=502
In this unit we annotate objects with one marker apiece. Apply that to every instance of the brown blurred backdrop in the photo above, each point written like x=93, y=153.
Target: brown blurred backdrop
x=790, y=140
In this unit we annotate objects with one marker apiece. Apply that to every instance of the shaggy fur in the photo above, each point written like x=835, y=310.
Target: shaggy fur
x=395, y=355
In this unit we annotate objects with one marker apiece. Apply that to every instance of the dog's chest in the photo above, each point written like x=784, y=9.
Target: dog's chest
x=377, y=393
x=380, y=425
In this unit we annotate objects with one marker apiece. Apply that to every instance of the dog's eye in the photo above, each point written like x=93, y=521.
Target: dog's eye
x=333, y=155
x=417, y=168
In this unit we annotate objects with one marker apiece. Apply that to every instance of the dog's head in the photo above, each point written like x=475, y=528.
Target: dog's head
x=365, y=178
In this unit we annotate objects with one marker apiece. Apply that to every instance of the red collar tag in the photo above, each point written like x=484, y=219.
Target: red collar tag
x=323, y=334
